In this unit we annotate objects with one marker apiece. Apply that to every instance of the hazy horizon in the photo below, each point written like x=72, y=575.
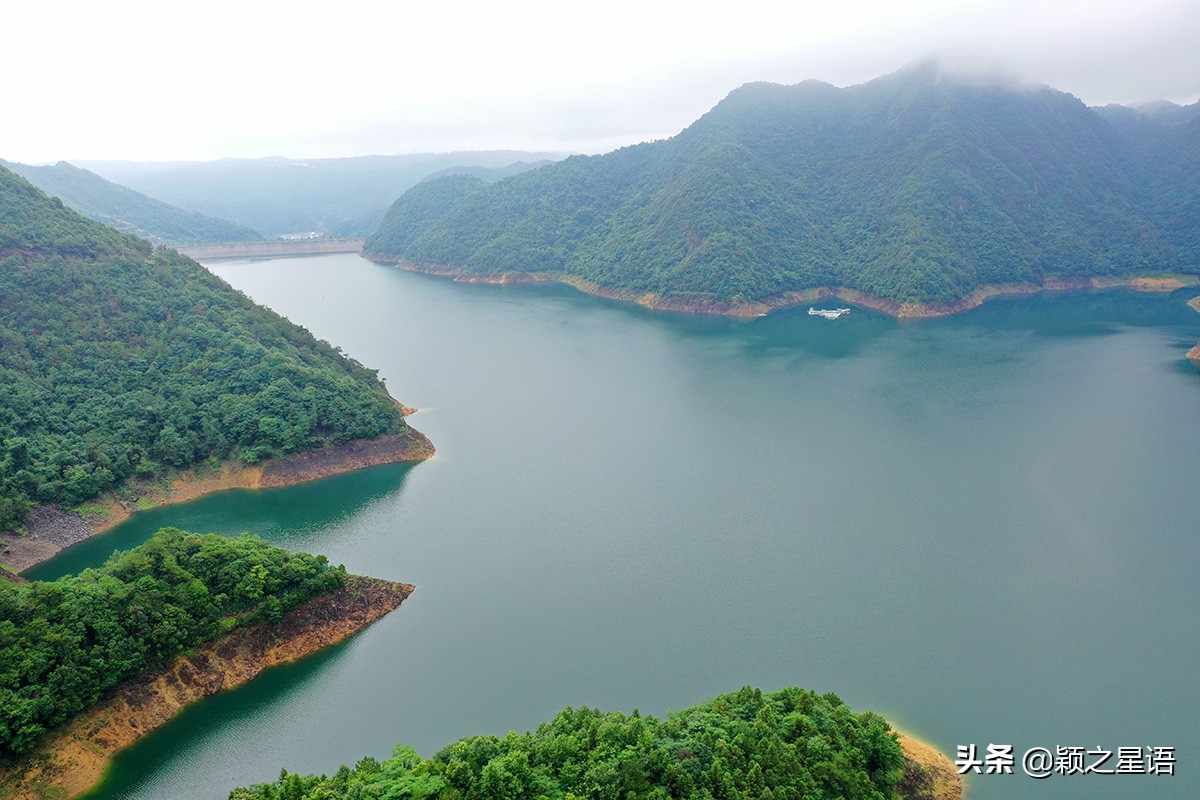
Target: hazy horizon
x=521, y=152
x=138, y=81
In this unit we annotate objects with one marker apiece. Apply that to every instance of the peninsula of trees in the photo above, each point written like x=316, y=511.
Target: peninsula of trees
x=118, y=360
x=916, y=187
x=64, y=643
x=91, y=663
x=788, y=744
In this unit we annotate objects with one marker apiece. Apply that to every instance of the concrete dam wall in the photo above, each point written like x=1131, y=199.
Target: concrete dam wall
x=272, y=248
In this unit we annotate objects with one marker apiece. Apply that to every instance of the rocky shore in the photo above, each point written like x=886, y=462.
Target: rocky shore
x=928, y=772
x=70, y=760
x=758, y=308
x=50, y=530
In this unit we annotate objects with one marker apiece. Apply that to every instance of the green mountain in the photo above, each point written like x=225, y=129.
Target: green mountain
x=913, y=187
x=337, y=196
x=119, y=360
x=127, y=210
x=1165, y=139
x=792, y=743
x=369, y=221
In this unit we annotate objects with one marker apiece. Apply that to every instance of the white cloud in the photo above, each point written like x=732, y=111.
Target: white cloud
x=148, y=80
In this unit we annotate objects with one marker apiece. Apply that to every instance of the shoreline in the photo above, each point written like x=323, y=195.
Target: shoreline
x=759, y=308
x=944, y=781
x=72, y=759
x=1194, y=354
x=51, y=530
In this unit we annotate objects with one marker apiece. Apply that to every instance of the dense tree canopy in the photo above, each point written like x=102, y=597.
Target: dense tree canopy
x=119, y=360
x=913, y=187
x=745, y=745
x=63, y=643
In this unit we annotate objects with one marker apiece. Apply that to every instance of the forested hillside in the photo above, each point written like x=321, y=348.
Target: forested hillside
x=1167, y=147
x=369, y=221
x=119, y=360
x=747, y=744
x=129, y=211
x=64, y=643
x=912, y=187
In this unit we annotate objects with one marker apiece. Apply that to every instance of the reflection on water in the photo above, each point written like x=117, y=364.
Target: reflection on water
x=983, y=526
x=295, y=517
x=219, y=715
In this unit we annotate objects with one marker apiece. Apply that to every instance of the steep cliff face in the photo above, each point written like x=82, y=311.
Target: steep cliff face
x=69, y=761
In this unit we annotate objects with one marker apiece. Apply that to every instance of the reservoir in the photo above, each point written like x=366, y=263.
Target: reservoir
x=984, y=526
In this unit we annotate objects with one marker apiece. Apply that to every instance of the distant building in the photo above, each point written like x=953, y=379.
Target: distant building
x=298, y=236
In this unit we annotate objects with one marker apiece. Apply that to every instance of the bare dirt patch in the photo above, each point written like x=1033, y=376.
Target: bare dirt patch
x=929, y=774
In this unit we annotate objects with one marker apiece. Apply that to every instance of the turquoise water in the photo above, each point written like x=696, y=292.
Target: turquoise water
x=982, y=526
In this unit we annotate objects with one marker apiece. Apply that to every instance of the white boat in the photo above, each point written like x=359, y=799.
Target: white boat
x=827, y=313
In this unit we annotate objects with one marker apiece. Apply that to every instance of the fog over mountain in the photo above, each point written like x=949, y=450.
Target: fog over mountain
x=226, y=79
x=920, y=186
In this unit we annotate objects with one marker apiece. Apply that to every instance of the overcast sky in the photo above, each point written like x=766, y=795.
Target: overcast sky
x=150, y=81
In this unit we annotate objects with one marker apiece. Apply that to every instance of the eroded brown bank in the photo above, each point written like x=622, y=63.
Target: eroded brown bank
x=935, y=777
x=70, y=760
x=758, y=308
x=50, y=530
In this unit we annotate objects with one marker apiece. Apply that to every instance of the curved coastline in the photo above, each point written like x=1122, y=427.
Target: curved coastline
x=72, y=759
x=52, y=530
x=759, y=308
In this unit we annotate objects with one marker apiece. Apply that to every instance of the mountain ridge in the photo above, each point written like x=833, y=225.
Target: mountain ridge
x=915, y=187
x=128, y=210
x=276, y=195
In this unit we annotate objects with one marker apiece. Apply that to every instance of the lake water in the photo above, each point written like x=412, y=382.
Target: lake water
x=983, y=526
